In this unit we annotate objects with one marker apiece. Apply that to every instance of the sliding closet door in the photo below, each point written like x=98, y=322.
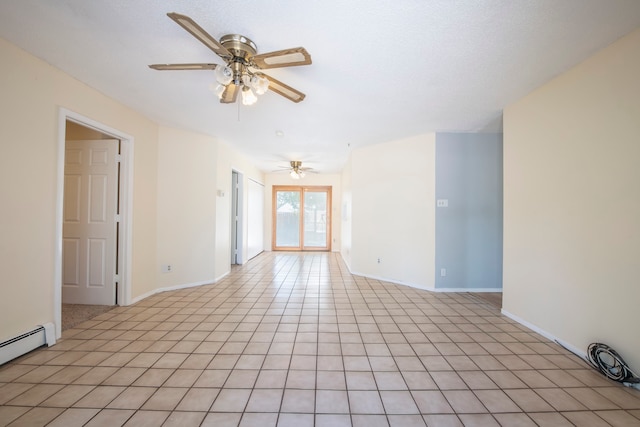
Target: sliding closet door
x=301, y=218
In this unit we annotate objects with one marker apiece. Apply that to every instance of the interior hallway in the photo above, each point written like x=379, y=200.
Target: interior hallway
x=293, y=339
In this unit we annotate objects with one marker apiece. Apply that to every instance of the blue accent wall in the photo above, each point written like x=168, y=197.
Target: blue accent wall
x=469, y=230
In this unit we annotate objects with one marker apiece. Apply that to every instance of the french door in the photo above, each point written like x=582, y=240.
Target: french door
x=301, y=218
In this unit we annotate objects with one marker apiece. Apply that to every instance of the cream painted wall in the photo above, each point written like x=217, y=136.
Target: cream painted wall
x=32, y=93
x=194, y=206
x=186, y=207
x=310, y=179
x=572, y=203
x=393, y=211
x=229, y=160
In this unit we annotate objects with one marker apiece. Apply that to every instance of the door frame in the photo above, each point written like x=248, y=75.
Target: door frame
x=237, y=225
x=126, y=211
x=301, y=189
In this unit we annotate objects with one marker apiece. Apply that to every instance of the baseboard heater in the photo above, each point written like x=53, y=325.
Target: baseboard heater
x=24, y=343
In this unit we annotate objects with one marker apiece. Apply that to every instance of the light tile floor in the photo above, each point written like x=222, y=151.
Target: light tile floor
x=74, y=314
x=294, y=339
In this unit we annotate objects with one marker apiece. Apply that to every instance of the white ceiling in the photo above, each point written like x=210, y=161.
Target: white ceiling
x=382, y=70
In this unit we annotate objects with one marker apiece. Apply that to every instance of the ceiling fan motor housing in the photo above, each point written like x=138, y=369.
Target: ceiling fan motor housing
x=239, y=46
x=242, y=49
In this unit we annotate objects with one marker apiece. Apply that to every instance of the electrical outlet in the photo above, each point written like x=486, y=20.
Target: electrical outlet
x=442, y=203
x=443, y=272
x=167, y=268
x=379, y=260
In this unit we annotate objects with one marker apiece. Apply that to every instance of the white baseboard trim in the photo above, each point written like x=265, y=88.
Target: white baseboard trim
x=575, y=350
x=467, y=290
x=222, y=276
x=395, y=282
x=176, y=287
x=424, y=288
x=143, y=296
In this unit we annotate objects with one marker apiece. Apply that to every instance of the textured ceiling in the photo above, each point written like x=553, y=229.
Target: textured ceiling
x=382, y=70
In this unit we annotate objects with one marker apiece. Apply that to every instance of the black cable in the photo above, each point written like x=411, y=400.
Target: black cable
x=610, y=363
x=606, y=360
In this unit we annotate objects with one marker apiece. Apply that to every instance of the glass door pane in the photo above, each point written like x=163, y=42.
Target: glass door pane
x=287, y=212
x=315, y=219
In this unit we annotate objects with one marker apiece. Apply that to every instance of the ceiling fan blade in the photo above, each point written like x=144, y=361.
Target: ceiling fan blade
x=230, y=94
x=283, y=89
x=282, y=58
x=197, y=31
x=183, y=66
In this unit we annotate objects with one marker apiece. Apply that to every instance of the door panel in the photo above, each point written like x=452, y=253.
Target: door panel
x=301, y=218
x=287, y=219
x=89, y=229
x=72, y=184
x=96, y=265
x=315, y=219
x=71, y=262
x=97, y=196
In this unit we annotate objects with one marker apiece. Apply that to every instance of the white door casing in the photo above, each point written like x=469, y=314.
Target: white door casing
x=89, y=222
x=255, y=218
x=237, y=218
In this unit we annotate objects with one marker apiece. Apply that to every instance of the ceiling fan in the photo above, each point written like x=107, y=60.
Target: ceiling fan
x=241, y=72
x=295, y=169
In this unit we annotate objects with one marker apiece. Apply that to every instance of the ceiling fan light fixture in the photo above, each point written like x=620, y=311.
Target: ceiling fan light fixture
x=259, y=84
x=219, y=90
x=248, y=97
x=296, y=169
x=224, y=74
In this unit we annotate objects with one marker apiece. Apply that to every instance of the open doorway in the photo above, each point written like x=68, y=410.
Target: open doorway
x=90, y=224
x=93, y=229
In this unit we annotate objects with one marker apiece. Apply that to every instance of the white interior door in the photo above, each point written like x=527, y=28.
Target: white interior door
x=89, y=227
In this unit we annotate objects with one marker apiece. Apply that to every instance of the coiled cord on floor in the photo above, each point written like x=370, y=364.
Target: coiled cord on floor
x=610, y=363
x=606, y=360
